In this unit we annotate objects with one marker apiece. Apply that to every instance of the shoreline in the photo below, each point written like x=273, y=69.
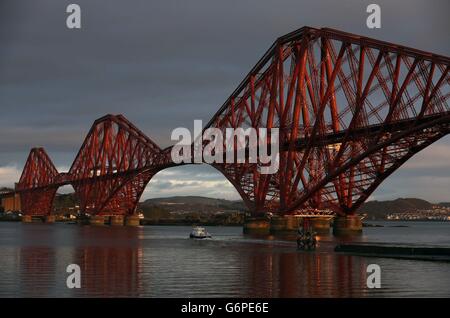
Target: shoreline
x=146, y=222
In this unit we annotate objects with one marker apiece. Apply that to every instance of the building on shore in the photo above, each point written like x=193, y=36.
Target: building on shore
x=9, y=200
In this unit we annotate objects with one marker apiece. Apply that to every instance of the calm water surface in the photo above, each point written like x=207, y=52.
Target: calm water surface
x=160, y=261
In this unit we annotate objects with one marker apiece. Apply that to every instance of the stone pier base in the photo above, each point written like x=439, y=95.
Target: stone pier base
x=255, y=225
x=27, y=219
x=98, y=220
x=132, y=220
x=284, y=224
x=50, y=219
x=347, y=225
x=321, y=225
x=117, y=220
x=291, y=223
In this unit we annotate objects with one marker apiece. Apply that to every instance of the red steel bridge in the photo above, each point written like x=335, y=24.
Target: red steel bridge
x=350, y=109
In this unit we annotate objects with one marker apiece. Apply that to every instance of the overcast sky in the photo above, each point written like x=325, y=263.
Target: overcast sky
x=165, y=63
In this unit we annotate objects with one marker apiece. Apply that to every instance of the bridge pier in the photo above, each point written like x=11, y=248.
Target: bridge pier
x=291, y=223
x=50, y=219
x=284, y=224
x=116, y=220
x=132, y=220
x=256, y=225
x=321, y=225
x=98, y=220
x=27, y=219
x=347, y=225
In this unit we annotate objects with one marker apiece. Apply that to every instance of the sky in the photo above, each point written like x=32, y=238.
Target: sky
x=163, y=64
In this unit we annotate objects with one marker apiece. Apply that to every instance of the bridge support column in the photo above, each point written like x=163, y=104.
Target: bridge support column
x=117, y=220
x=132, y=220
x=321, y=225
x=347, y=225
x=291, y=223
x=50, y=219
x=284, y=224
x=27, y=219
x=98, y=220
x=256, y=225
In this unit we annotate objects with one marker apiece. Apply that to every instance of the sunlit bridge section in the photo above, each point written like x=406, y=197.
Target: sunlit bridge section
x=351, y=110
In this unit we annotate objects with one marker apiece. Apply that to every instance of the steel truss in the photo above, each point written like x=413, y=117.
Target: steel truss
x=351, y=110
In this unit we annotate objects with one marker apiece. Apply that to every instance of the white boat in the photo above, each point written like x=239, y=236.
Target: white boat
x=199, y=233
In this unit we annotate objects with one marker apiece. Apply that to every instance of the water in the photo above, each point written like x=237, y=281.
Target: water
x=160, y=261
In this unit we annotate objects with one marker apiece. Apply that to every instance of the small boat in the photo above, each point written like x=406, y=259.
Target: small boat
x=199, y=233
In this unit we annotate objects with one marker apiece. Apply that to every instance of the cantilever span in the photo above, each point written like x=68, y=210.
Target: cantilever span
x=109, y=173
x=350, y=109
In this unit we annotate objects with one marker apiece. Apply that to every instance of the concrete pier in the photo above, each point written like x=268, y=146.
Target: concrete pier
x=50, y=219
x=287, y=224
x=321, y=225
x=291, y=223
x=284, y=224
x=132, y=220
x=347, y=225
x=27, y=219
x=117, y=220
x=255, y=225
x=98, y=220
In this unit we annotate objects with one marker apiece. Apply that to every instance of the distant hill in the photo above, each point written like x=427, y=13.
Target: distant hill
x=194, y=204
x=162, y=207
x=192, y=210
x=62, y=202
x=379, y=209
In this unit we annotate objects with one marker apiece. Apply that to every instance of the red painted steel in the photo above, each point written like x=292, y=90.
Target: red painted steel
x=351, y=110
x=37, y=184
x=113, y=167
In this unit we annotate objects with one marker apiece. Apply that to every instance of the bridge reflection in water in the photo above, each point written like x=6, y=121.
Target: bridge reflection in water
x=163, y=262
x=287, y=273
x=110, y=260
x=135, y=262
x=36, y=264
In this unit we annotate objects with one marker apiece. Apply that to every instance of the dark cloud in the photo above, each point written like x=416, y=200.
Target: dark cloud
x=160, y=63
